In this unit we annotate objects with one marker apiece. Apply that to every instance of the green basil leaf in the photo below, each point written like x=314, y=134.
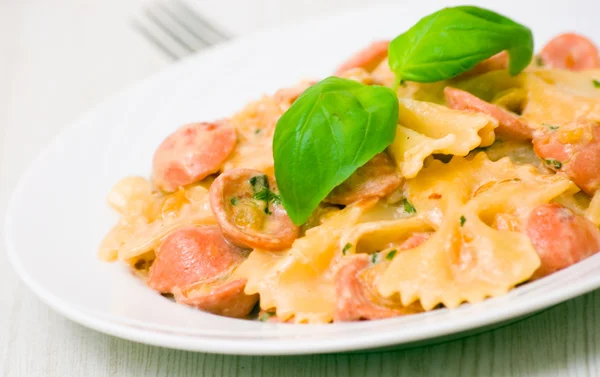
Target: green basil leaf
x=453, y=40
x=332, y=129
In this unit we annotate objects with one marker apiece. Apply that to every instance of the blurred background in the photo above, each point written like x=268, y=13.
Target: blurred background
x=59, y=58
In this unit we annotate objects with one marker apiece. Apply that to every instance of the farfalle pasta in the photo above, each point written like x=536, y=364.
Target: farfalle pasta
x=490, y=180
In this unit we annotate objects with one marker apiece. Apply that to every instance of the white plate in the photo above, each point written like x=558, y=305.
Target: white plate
x=58, y=213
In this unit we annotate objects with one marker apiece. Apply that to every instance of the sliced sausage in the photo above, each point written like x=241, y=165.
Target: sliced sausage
x=192, y=153
x=376, y=179
x=560, y=237
x=249, y=211
x=367, y=58
x=574, y=149
x=227, y=300
x=190, y=255
x=285, y=97
x=495, y=63
x=355, y=300
x=509, y=125
x=570, y=51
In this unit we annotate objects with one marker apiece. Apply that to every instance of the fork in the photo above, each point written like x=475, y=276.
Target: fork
x=177, y=29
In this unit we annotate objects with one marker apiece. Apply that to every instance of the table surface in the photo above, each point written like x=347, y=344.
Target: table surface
x=56, y=61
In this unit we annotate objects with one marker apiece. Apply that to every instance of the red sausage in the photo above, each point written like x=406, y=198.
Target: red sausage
x=495, y=63
x=228, y=299
x=376, y=179
x=560, y=237
x=509, y=125
x=354, y=300
x=192, y=153
x=190, y=255
x=248, y=220
x=575, y=150
x=570, y=51
x=367, y=58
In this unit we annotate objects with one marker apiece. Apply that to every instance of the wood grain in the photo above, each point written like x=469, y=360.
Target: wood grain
x=51, y=70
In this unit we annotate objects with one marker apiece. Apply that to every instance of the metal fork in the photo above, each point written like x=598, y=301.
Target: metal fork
x=177, y=29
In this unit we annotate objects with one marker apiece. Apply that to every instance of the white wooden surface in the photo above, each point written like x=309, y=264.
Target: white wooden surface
x=58, y=59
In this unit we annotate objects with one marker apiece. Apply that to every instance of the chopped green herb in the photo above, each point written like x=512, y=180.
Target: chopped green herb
x=538, y=61
x=257, y=131
x=555, y=163
x=391, y=254
x=260, y=186
x=346, y=248
x=596, y=83
x=462, y=220
x=264, y=317
x=234, y=201
x=374, y=257
x=408, y=207
x=550, y=126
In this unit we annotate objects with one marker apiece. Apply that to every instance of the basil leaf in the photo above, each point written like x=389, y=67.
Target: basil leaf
x=332, y=129
x=453, y=40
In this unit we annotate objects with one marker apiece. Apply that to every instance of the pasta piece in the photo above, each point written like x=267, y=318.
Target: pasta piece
x=548, y=104
x=580, y=83
x=255, y=125
x=299, y=282
x=370, y=237
x=466, y=259
x=593, y=211
x=573, y=149
x=426, y=128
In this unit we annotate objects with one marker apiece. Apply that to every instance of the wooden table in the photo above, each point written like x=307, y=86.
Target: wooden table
x=56, y=61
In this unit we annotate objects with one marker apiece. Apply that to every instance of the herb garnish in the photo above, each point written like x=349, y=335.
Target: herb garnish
x=596, y=83
x=391, y=254
x=538, y=61
x=332, y=129
x=550, y=127
x=346, y=248
x=408, y=207
x=462, y=220
x=374, y=257
x=453, y=40
x=264, y=317
x=234, y=201
x=555, y=163
x=260, y=187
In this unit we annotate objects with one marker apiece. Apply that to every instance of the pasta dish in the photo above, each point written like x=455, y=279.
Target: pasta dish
x=413, y=178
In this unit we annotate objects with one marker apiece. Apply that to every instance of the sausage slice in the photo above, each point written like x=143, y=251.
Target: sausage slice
x=248, y=209
x=560, y=237
x=570, y=51
x=368, y=58
x=509, y=125
x=192, y=153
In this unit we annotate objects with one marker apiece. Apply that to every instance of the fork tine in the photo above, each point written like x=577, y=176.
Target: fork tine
x=158, y=38
x=197, y=23
x=157, y=15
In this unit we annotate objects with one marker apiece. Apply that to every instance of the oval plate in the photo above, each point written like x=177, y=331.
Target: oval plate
x=58, y=213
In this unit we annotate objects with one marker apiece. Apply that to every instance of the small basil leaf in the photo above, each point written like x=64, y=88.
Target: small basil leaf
x=332, y=129
x=453, y=40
